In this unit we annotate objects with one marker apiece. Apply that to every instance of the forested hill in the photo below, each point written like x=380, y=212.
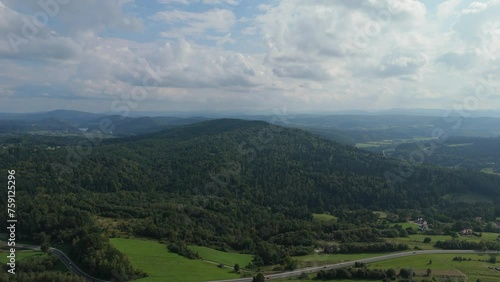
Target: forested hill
x=245, y=185
x=260, y=162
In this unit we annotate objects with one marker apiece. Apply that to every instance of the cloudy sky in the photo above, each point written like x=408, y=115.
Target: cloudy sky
x=244, y=55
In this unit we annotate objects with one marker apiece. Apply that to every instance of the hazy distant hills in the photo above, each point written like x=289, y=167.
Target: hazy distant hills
x=265, y=164
x=361, y=128
x=345, y=128
x=63, y=121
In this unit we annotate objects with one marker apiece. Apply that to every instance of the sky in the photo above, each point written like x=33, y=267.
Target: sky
x=248, y=55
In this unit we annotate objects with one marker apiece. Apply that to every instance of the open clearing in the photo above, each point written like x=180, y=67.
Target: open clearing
x=477, y=268
x=416, y=240
x=20, y=255
x=324, y=217
x=322, y=259
x=442, y=264
x=154, y=258
x=226, y=258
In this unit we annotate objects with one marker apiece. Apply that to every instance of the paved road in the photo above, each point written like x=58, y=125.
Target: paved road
x=65, y=259
x=351, y=263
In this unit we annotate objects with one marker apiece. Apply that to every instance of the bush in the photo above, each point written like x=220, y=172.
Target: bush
x=181, y=248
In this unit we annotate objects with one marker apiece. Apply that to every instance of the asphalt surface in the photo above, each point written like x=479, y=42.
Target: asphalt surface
x=314, y=269
x=65, y=259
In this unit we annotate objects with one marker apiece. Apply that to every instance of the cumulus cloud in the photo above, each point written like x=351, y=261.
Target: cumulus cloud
x=208, y=2
x=191, y=23
x=401, y=64
x=89, y=15
x=25, y=38
x=448, y=8
x=317, y=54
x=456, y=60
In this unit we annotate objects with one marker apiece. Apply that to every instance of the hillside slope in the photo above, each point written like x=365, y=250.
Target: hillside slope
x=265, y=164
x=230, y=184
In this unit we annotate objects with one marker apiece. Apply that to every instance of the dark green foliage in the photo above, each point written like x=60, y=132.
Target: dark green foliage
x=405, y=272
x=259, y=278
x=229, y=184
x=352, y=273
x=38, y=268
x=391, y=273
x=182, y=249
x=42, y=276
x=492, y=259
x=350, y=248
x=359, y=264
x=467, y=245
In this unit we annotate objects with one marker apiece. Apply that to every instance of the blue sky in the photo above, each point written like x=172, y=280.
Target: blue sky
x=242, y=55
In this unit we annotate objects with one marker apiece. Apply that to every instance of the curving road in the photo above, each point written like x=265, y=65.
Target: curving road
x=351, y=263
x=65, y=260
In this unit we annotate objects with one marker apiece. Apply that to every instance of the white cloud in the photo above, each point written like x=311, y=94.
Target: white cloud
x=184, y=2
x=475, y=7
x=218, y=2
x=207, y=2
x=88, y=15
x=448, y=9
x=25, y=39
x=190, y=23
x=310, y=55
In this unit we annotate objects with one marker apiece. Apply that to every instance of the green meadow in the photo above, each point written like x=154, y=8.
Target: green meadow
x=439, y=264
x=324, y=217
x=381, y=214
x=226, y=258
x=322, y=259
x=416, y=240
x=156, y=260
x=20, y=255
x=477, y=268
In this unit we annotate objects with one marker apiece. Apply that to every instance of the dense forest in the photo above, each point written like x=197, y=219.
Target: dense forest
x=460, y=152
x=248, y=186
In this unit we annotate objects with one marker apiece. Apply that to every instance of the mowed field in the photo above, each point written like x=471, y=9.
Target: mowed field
x=324, y=217
x=20, y=255
x=226, y=258
x=155, y=259
x=417, y=240
x=477, y=268
x=322, y=259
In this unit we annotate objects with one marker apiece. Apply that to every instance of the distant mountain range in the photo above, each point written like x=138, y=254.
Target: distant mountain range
x=78, y=122
x=349, y=127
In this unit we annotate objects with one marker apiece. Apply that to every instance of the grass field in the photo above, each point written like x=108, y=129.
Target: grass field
x=324, y=217
x=474, y=269
x=381, y=214
x=20, y=255
x=314, y=275
x=459, y=145
x=161, y=265
x=477, y=268
x=390, y=142
x=408, y=224
x=322, y=259
x=489, y=170
x=468, y=198
x=416, y=240
x=226, y=258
